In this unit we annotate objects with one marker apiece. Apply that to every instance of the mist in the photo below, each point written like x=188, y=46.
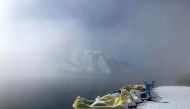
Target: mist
x=41, y=41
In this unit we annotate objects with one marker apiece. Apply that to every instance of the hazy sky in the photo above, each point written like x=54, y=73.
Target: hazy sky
x=148, y=33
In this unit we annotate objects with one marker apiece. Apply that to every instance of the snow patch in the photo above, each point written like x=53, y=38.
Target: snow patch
x=172, y=97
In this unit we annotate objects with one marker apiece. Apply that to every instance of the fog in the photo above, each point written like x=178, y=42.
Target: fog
x=38, y=36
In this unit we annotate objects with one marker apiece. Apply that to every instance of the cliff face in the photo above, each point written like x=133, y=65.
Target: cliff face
x=93, y=62
x=85, y=62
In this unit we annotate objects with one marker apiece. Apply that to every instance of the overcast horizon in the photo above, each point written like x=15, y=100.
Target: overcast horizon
x=151, y=34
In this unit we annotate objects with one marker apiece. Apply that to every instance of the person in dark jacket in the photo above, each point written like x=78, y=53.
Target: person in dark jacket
x=147, y=87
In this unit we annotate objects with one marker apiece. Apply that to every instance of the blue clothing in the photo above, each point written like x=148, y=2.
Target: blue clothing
x=147, y=87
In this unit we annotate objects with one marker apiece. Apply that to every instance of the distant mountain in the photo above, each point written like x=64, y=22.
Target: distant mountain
x=118, y=66
x=86, y=61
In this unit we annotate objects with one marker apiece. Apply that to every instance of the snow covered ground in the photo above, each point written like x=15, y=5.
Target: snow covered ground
x=169, y=97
